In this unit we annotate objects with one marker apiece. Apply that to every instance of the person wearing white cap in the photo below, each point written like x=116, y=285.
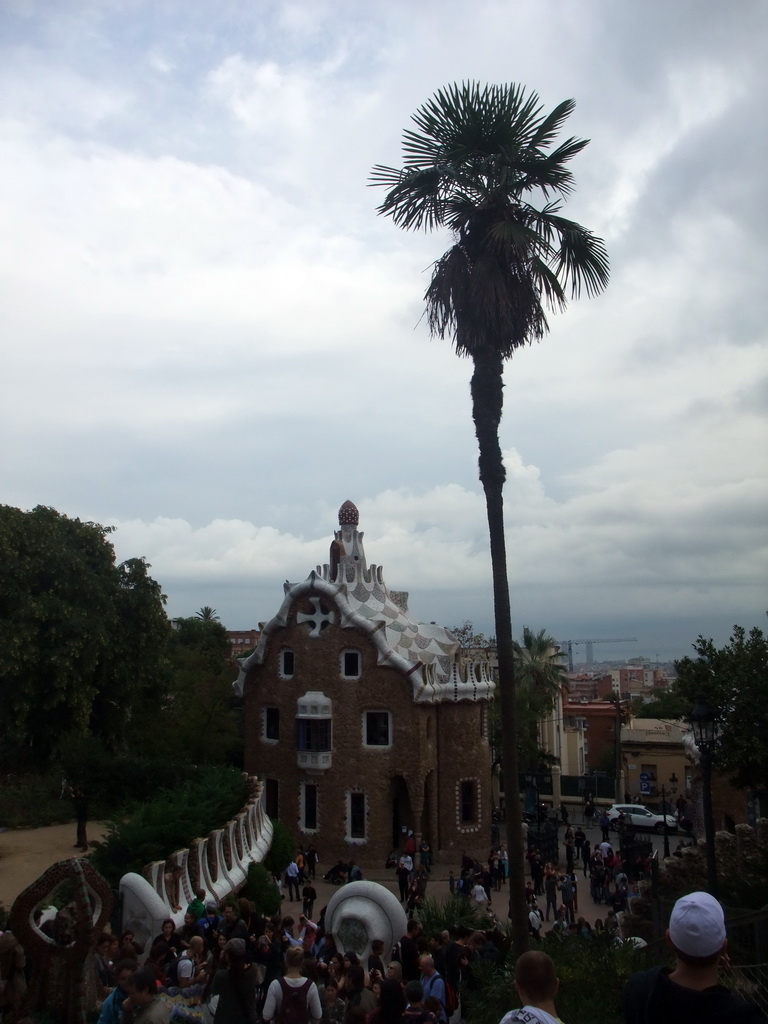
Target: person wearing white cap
x=690, y=993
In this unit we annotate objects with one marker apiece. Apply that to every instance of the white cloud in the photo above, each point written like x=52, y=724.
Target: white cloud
x=207, y=334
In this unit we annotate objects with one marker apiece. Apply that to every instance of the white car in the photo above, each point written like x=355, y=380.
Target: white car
x=637, y=816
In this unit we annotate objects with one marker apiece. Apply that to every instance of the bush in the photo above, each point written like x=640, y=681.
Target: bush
x=281, y=851
x=260, y=888
x=114, y=783
x=209, y=797
x=592, y=971
x=30, y=801
x=455, y=912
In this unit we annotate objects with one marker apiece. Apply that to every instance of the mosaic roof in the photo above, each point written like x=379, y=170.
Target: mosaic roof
x=426, y=652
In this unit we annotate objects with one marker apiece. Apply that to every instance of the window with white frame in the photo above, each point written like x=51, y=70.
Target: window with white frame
x=313, y=734
x=271, y=724
x=357, y=812
x=287, y=663
x=377, y=729
x=351, y=664
x=309, y=794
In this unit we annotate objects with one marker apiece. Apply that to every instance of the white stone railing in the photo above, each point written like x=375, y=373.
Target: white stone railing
x=217, y=864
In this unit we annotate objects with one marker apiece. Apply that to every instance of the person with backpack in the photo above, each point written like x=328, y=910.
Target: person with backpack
x=432, y=984
x=292, y=999
x=691, y=992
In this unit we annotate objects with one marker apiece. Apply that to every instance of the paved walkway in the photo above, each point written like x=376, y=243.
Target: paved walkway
x=26, y=853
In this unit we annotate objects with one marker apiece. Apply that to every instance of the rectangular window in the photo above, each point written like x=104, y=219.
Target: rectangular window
x=272, y=798
x=468, y=801
x=350, y=664
x=313, y=734
x=377, y=729
x=286, y=663
x=309, y=807
x=271, y=723
x=357, y=815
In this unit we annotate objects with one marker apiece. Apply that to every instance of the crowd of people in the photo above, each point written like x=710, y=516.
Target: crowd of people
x=229, y=964
x=232, y=965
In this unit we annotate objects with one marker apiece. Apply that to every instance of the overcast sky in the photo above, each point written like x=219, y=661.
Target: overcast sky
x=209, y=339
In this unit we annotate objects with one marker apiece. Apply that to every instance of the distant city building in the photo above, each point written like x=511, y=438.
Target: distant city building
x=242, y=640
x=652, y=753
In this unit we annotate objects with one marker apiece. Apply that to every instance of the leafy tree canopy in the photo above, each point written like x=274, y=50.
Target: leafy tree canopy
x=468, y=638
x=197, y=718
x=81, y=638
x=732, y=680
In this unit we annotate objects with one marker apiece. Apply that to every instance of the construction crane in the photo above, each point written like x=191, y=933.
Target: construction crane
x=570, y=644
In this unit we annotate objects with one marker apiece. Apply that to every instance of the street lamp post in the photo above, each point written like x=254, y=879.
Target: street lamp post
x=672, y=790
x=702, y=719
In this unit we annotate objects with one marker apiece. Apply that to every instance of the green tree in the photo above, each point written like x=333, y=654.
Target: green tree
x=665, y=702
x=81, y=639
x=198, y=718
x=468, y=638
x=207, y=614
x=477, y=163
x=540, y=676
x=732, y=680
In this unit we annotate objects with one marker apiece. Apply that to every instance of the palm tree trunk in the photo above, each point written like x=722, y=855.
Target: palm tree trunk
x=487, y=390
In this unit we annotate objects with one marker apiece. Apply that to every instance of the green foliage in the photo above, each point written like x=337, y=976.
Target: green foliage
x=592, y=972
x=31, y=801
x=732, y=681
x=197, y=717
x=260, y=888
x=453, y=913
x=207, y=614
x=81, y=639
x=468, y=638
x=540, y=676
x=665, y=702
x=282, y=849
x=171, y=820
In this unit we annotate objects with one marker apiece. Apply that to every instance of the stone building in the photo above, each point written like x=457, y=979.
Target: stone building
x=363, y=722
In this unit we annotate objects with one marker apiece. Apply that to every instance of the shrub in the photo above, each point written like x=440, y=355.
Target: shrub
x=453, y=913
x=30, y=801
x=260, y=888
x=592, y=971
x=281, y=851
x=209, y=797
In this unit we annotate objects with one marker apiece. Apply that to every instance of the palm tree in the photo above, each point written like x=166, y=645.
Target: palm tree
x=207, y=614
x=481, y=162
x=541, y=677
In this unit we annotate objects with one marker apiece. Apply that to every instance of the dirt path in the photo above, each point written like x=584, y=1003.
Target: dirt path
x=26, y=853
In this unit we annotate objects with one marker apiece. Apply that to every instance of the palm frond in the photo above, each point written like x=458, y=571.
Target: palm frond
x=549, y=127
x=582, y=261
x=474, y=156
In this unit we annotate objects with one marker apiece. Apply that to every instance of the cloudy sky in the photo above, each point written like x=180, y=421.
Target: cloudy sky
x=209, y=340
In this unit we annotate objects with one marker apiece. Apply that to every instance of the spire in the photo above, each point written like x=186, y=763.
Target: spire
x=347, y=558
x=348, y=514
